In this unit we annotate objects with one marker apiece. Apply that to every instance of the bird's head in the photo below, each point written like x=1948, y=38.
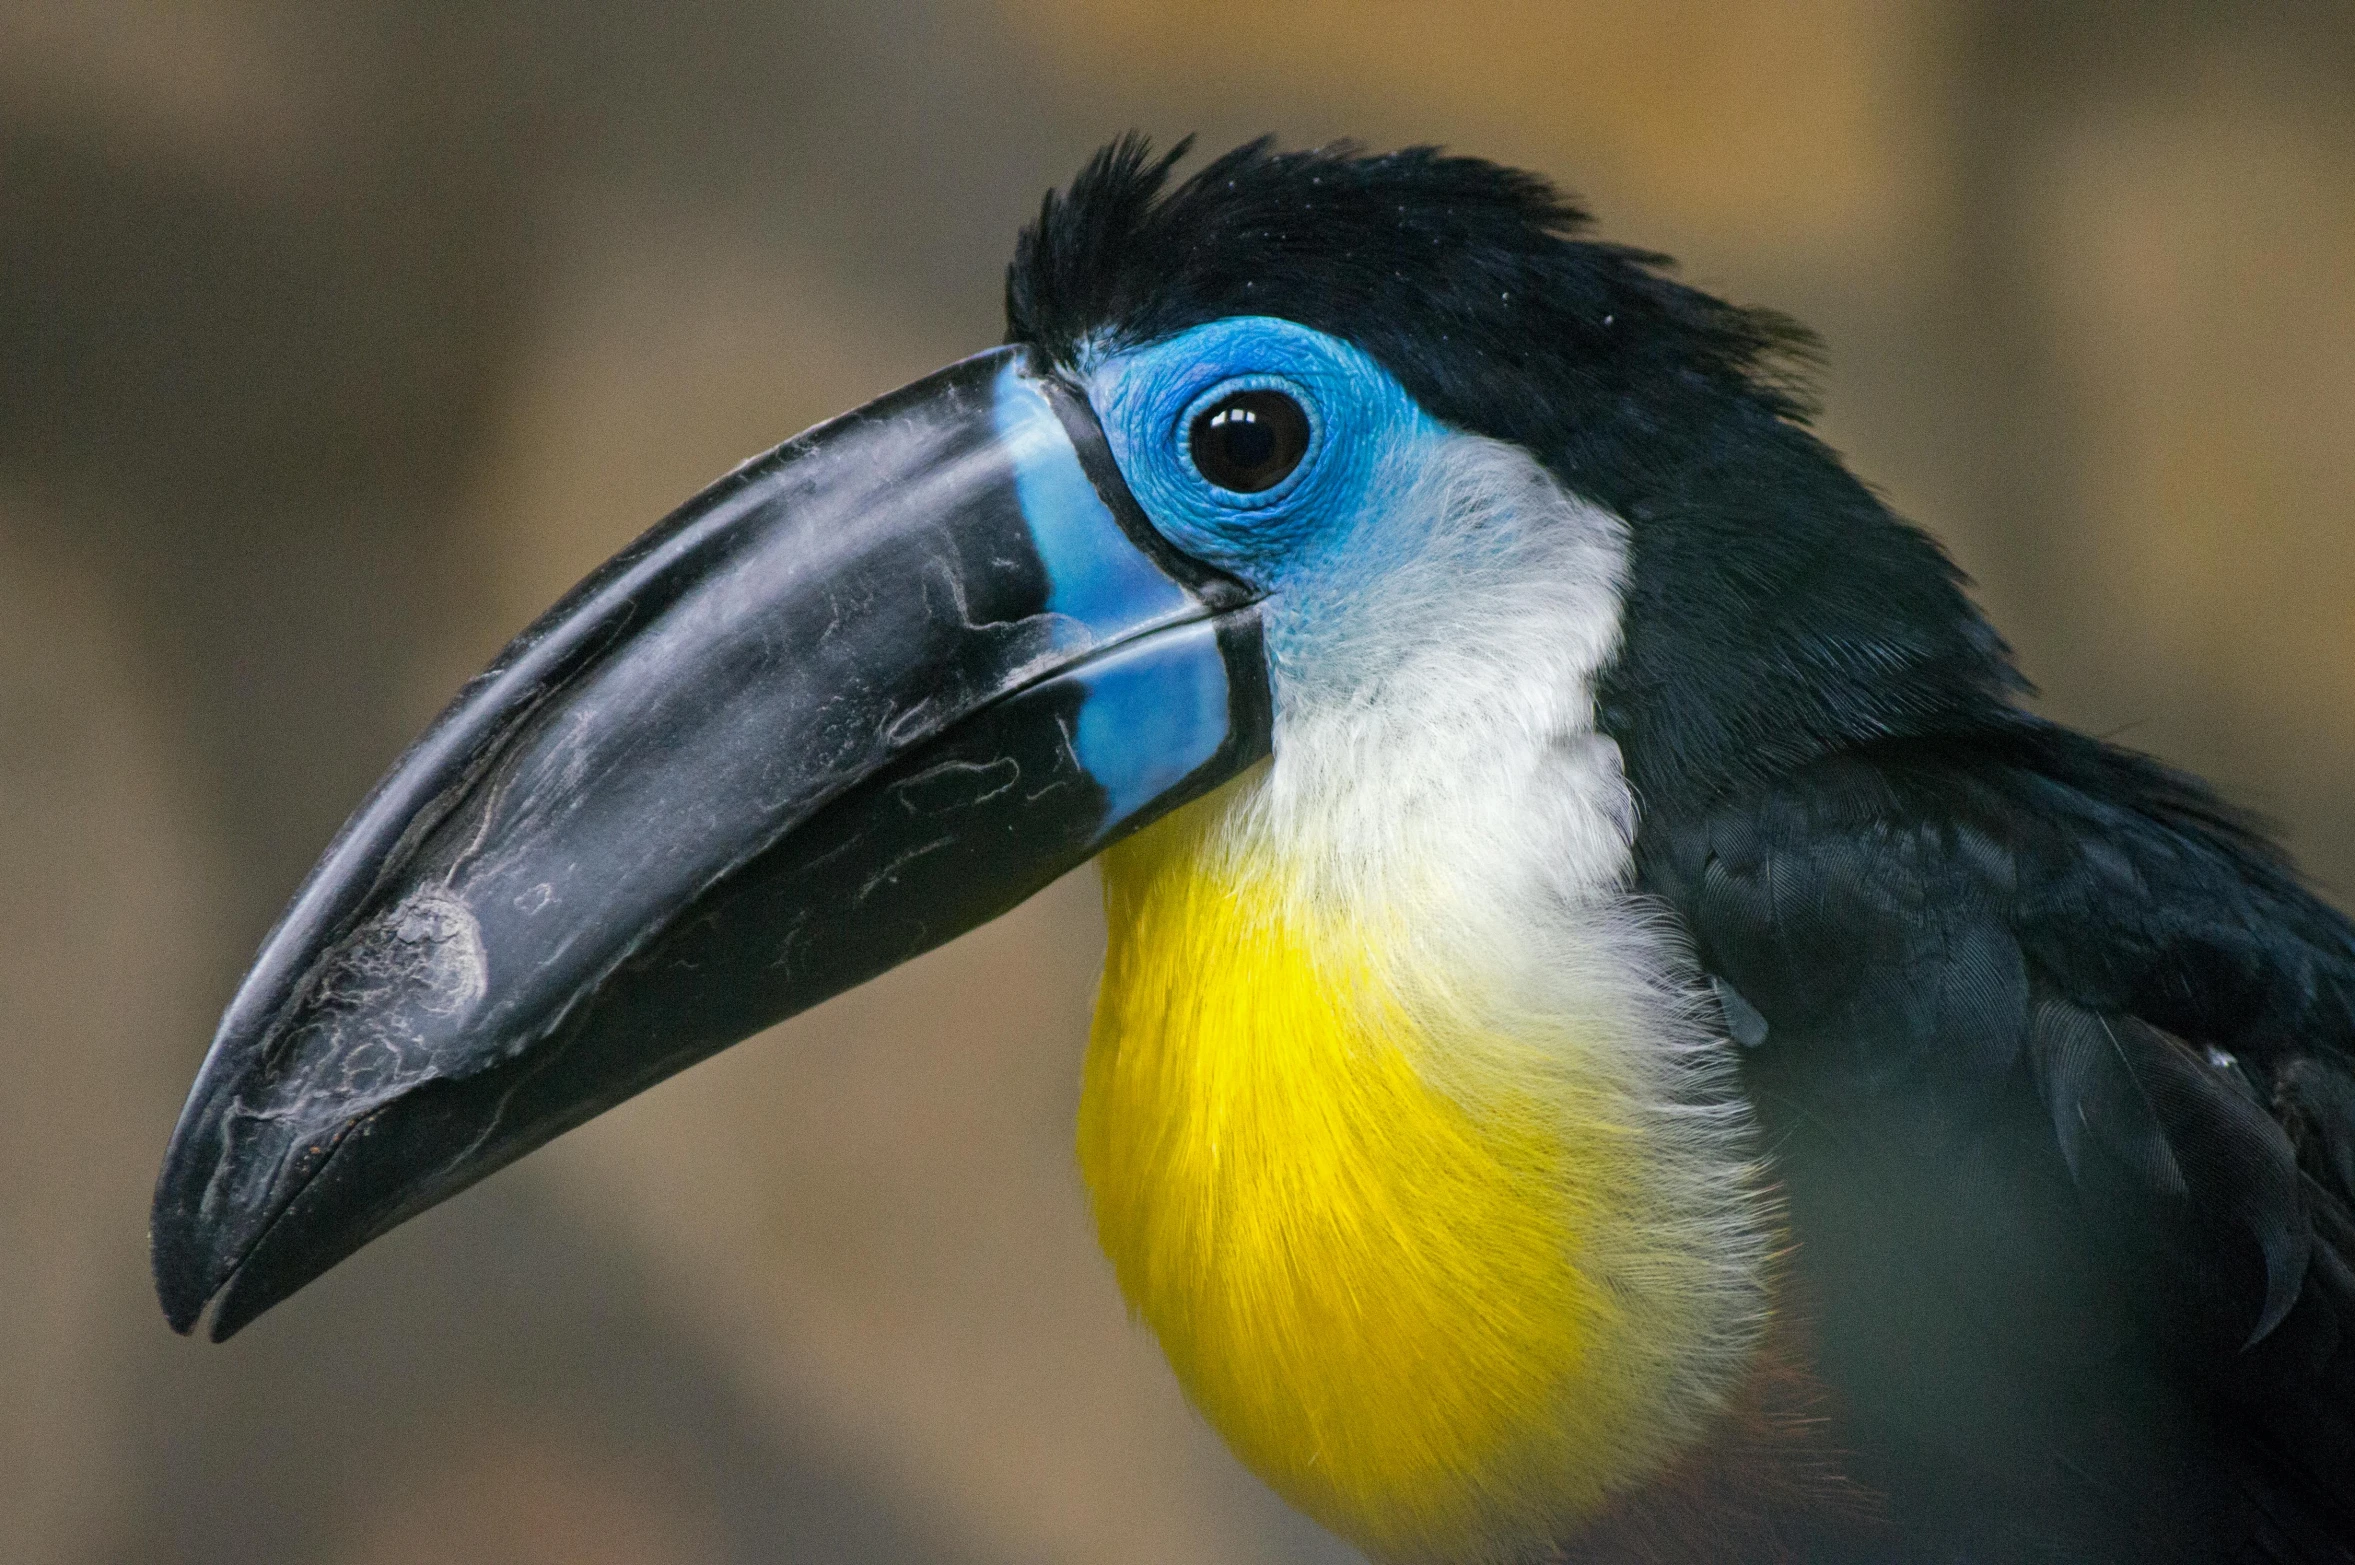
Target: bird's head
x=1398, y=330
x=1365, y=442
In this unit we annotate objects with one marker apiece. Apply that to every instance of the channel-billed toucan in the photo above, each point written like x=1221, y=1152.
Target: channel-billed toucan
x=1619, y=1040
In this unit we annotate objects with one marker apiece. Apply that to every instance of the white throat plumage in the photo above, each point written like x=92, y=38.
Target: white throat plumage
x=1406, y=1126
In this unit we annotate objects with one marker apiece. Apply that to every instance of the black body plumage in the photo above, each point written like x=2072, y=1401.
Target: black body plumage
x=2054, y=1054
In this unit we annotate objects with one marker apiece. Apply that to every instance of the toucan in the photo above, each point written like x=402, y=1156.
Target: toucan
x=1622, y=1036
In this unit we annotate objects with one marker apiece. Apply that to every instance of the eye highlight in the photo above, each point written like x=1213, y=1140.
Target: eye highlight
x=1249, y=442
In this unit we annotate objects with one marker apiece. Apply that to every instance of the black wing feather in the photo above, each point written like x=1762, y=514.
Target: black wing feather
x=2057, y=1066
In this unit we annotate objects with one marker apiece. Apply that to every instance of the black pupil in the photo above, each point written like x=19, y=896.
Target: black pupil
x=1250, y=441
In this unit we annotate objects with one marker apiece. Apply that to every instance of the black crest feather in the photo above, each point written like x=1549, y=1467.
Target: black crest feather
x=1432, y=263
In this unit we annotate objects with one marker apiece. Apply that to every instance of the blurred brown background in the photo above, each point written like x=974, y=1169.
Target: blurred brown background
x=337, y=338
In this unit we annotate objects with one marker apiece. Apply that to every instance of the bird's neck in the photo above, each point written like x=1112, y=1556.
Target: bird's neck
x=1411, y=1154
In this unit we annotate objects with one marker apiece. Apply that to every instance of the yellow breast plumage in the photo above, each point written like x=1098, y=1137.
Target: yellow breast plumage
x=1417, y=1311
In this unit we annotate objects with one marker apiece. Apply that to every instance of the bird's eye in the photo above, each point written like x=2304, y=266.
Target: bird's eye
x=1249, y=442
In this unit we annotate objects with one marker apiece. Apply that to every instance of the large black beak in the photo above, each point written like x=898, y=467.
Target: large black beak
x=859, y=696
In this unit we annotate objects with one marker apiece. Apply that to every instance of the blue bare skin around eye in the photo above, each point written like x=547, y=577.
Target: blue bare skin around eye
x=1147, y=397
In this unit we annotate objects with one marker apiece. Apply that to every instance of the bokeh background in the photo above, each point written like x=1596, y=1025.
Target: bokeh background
x=339, y=336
